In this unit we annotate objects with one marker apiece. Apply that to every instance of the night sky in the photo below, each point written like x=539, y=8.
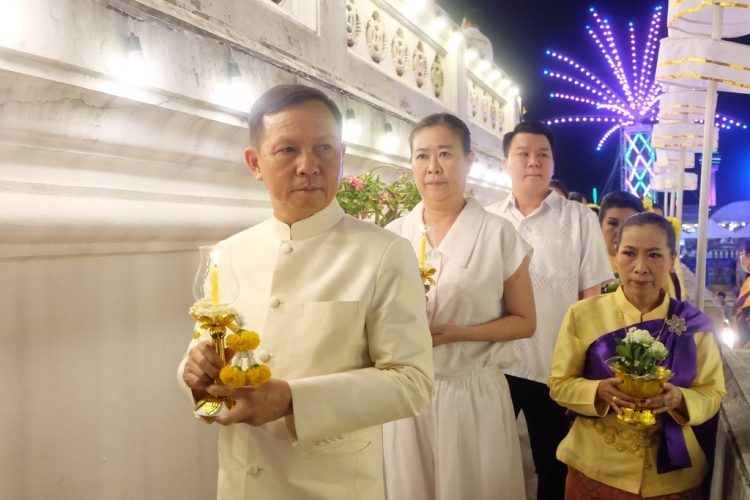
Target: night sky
x=521, y=32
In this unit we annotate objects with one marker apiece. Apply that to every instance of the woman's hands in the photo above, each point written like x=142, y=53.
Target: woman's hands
x=607, y=392
x=446, y=334
x=669, y=400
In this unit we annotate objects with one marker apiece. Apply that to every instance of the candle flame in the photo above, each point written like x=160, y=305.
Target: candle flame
x=215, y=256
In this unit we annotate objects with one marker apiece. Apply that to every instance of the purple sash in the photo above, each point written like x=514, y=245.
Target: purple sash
x=682, y=360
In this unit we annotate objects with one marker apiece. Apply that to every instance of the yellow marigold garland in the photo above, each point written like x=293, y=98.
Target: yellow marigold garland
x=232, y=376
x=257, y=375
x=244, y=340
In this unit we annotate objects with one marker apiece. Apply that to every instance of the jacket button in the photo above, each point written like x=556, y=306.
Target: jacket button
x=253, y=470
x=286, y=248
x=263, y=356
x=274, y=302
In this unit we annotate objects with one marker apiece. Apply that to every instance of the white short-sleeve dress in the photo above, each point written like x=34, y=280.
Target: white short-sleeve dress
x=465, y=444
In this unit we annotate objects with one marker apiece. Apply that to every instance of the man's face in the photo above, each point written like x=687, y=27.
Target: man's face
x=299, y=159
x=530, y=164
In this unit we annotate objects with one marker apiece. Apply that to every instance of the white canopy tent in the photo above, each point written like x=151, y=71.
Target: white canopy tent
x=695, y=57
x=734, y=213
x=738, y=211
x=713, y=231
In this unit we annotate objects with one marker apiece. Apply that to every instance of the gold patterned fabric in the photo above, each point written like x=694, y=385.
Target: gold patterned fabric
x=580, y=487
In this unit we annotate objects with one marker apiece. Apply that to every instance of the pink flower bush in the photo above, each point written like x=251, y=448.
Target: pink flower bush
x=356, y=182
x=366, y=196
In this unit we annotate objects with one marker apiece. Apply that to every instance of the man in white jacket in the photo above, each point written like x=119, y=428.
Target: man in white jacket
x=339, y=306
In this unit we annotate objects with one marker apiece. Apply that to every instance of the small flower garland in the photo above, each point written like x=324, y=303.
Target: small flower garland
x=244, y=370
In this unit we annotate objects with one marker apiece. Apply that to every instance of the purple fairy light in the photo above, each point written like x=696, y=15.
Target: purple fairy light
x=635, y=97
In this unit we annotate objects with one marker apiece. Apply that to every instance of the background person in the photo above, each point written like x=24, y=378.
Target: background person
x=560, y=187
x=465, y=444
x=614, y=209
x=470, y=28
x=742, y=304
x=578, y=197
x=569, y=263
x=607, y=458
x=340, y=309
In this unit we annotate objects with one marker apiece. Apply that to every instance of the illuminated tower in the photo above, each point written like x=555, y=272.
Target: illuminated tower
x=637, y=159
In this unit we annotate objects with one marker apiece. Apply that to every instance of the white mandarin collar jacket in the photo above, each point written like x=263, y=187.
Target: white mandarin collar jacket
x=339, y=307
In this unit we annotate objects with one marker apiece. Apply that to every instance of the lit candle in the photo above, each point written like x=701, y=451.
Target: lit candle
x=214, y=276
x=422, y=246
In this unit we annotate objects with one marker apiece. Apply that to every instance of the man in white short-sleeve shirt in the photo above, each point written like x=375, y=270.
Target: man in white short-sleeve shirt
x=570, y=263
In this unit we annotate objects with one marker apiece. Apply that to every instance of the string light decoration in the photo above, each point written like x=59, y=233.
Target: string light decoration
x=635, y=98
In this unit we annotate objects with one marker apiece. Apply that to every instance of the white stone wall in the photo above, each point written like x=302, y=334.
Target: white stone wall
x=110, y=177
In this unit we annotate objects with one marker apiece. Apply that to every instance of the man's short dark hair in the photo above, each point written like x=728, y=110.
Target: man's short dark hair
x=576, y=196
x=280, y=98
x=473, y=16
x=721, y=294
x=619, y=199
x=559, y=185
x=536, y=128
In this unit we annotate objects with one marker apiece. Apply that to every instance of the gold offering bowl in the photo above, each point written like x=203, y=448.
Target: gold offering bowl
x=642, y=387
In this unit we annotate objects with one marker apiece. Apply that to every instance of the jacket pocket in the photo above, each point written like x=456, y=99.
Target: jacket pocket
x=336, y=446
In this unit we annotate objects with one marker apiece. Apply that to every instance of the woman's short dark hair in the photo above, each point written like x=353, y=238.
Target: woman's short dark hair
x=536, y=128
x=454, y=123
x=619, y=199
x=745, y=246
x=650, y=218
x=281, y=97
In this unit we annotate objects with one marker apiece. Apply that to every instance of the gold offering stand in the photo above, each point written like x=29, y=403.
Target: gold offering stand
x=215, y=319
x=427, y=272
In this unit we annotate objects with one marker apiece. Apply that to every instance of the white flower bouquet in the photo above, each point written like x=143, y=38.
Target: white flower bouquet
x=638, y=353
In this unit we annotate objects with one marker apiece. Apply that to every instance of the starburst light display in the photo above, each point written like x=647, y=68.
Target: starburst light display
x=634, y=99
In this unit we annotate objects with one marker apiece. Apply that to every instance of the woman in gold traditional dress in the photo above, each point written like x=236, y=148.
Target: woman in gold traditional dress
x=610, y=459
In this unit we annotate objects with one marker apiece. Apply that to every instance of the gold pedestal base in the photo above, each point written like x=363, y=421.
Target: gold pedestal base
x=637, y=418
x=210, y=408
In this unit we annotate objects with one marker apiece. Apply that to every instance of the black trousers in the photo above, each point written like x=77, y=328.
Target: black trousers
x=547, y=425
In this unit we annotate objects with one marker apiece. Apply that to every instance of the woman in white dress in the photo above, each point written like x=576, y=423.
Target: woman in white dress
x=465, y=444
